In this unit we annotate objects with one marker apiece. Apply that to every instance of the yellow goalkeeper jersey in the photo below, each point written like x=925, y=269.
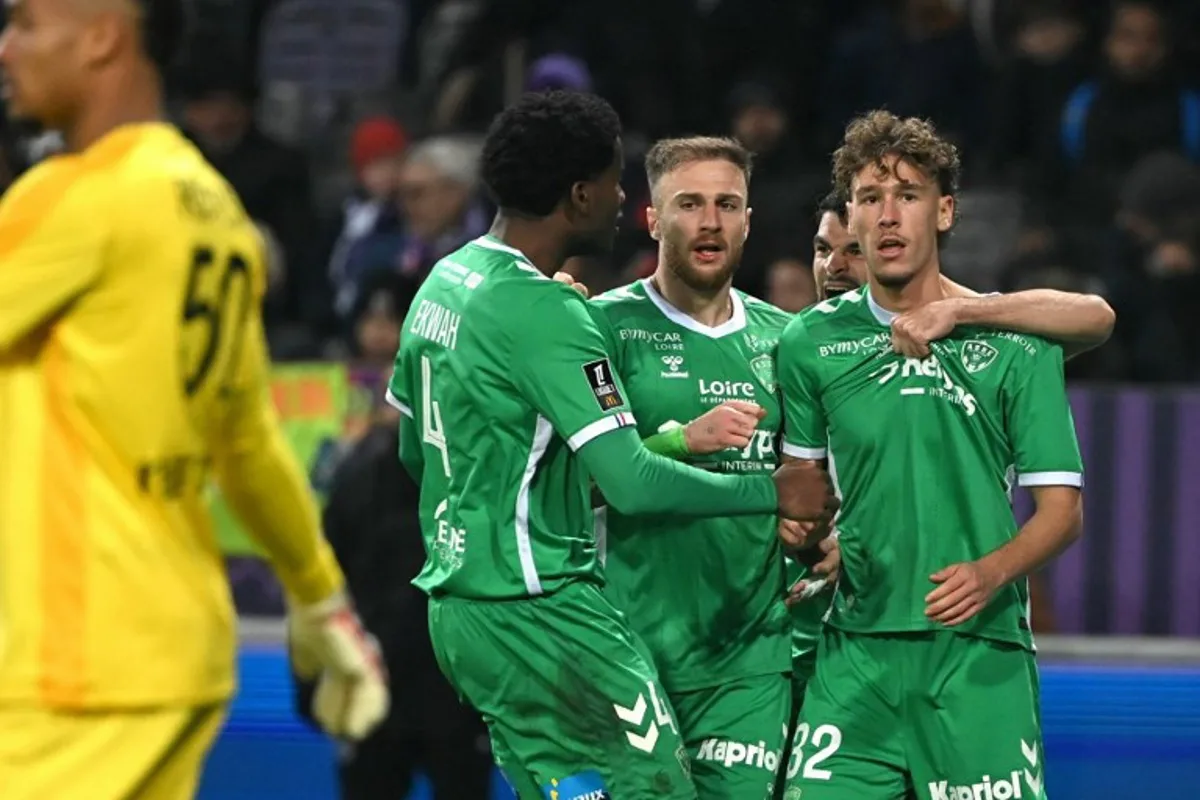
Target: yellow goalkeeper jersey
x=133, y=369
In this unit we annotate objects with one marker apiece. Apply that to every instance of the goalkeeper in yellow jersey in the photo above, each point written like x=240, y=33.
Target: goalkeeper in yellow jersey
x=133, y=370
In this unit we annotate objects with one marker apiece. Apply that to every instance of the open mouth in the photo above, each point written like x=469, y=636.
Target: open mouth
x=834, y=288
x=708, y=252
x=891, y=246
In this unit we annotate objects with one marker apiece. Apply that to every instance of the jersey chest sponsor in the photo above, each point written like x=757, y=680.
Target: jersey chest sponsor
x=928, y=378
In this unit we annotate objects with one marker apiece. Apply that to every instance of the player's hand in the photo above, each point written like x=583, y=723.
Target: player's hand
x=821, y=575
x=730, y=424
x=806, y=495
x=912, y=331
x=328, y=644
x=569, y=280
x=963, y=591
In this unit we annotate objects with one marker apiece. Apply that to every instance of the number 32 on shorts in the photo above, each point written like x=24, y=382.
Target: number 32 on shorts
x=825, y=741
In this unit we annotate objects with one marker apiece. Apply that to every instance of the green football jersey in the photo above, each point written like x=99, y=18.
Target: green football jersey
x=706, y=595
x=505, y=375
x=925, y=452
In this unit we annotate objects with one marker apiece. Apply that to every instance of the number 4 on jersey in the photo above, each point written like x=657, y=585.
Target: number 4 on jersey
x=431, y=415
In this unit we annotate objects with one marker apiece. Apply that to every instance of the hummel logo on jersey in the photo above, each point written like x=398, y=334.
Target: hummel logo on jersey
x=730, y=754
x=978, y=356
x=673, y=367
x=987, y=789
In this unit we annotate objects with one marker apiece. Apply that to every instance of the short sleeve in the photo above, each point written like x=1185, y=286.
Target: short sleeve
x=1039, y=424
x=398, y=394
x=612, y=344
x=561, y=365
x=805, y=430
x=51, y=247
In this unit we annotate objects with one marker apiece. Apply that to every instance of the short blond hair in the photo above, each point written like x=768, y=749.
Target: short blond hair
x=668, y=155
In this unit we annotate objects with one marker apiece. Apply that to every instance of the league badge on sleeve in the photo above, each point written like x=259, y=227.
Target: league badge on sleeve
x=977, y=356
x=600, y=377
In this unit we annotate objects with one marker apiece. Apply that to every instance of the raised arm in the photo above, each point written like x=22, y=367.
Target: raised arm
x=569, y=379
x=1078, y=322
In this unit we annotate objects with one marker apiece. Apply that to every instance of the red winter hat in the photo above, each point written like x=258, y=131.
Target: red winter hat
x=375, y=138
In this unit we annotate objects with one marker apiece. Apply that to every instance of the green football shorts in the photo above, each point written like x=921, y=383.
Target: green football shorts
x=735, y=734
x=571, y=700
x=935, y=716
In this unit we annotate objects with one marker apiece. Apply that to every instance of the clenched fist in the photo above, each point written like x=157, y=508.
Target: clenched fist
x=806, y=494
x=730, y=424
x=914, y=330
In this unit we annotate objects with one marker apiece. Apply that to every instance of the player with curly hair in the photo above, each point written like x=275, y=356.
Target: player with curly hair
x=926, y=680
x=510, y=408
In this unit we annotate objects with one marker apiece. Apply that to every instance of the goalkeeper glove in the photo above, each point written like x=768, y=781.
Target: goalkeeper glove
x=328, y=644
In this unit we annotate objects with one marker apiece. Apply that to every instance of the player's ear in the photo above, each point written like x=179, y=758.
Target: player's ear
x=581, y=197
x=746, y=230
x=652, y=222
x=945, y=213
x=105, y=34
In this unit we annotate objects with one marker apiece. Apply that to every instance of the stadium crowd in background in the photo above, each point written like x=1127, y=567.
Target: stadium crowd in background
x=350, y=135
x=351, y=130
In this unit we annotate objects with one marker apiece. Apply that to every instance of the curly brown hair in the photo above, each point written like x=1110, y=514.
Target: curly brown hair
x=874, y=136
x=668, y=155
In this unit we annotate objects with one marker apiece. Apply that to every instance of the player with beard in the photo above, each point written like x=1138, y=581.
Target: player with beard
x=706, y=595
x=510, y=406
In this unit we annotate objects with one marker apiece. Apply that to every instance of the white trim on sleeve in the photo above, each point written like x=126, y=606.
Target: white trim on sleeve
x=395, y=403
x=622, y=419
x=1051, y=479
x=810, y=453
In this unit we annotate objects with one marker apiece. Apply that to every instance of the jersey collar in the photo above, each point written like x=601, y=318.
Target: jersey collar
x=735, y=323
x=522, y=262
x=881, y=314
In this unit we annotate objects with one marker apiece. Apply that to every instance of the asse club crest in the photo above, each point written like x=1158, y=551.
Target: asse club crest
x=978, y=356
x=764, y=369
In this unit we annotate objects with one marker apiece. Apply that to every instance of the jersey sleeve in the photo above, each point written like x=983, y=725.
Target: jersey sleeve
x=52, y=245
x=561, y=366
x=805, y=433
x=1039, y=424
x=612, y=344
x=264, y=482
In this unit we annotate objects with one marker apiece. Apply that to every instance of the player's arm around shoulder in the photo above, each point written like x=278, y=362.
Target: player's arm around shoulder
x=1080, y=322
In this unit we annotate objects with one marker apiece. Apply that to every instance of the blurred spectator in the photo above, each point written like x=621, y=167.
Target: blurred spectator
x=1135, y=105
x=918, y=60
x=372, y=525
x=438, y=211
x=1159, y=267
x=1049, y=59
x=376, y=153
x=779, y=188
x=790, y=285
x=272, y=182
x=558, y=71
x=377, y=318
